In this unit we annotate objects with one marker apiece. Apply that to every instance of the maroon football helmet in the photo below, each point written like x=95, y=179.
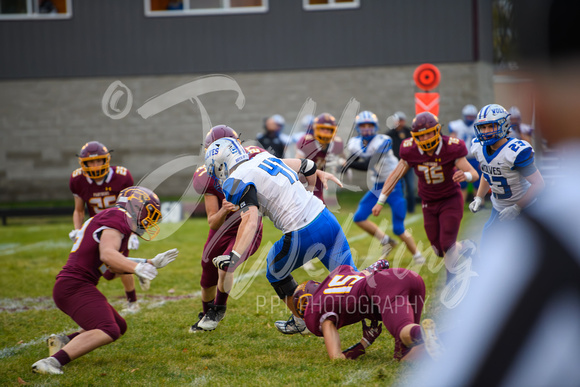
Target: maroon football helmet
x=302, y=296
x=425, y=123
x=217, y=132
x=144, y=210
x=324, y=127
x=94, y=150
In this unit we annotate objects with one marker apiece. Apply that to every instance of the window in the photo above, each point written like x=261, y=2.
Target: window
x=35, y=9
x=325, y=5
x=203, y=7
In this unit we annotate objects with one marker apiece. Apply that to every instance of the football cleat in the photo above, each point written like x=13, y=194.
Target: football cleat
x=433, y=345
x=55, y=343
x=214, y=315
x=131, y=307
x=292, y=326
x=48, y=366
x=388, y=247
x=195, y=327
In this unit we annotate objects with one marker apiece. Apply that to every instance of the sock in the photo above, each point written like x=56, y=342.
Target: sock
x=221, y=298
x=73, y=335
x=62, y=357
x=417, y=254
x=205, y=305
x=416, y=335
x=385, y=240
x=131, y=296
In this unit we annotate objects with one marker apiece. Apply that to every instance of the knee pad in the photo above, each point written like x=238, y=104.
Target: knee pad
x=286, y=287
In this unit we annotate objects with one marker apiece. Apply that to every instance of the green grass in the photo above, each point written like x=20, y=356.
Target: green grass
x=246, y=349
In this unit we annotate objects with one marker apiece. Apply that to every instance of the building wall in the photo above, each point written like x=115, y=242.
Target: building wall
x=45, y=122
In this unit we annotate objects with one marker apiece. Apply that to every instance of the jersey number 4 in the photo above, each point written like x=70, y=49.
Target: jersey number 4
x=275, y=166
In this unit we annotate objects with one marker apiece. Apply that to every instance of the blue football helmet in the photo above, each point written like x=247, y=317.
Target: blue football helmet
x=492, y=114
x=367, y=117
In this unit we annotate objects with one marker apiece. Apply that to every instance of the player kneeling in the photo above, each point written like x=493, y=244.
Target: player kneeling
x=101, y=250
x=345, y=297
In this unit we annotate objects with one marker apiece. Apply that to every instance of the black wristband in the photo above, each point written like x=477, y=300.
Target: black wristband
x=307, y=167
x=234, y=257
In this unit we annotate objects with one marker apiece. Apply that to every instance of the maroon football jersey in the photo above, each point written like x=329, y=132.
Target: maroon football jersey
x=315, y=152
x=435, y=173
x=100, y=197
x=342, y=295
x=84, y=262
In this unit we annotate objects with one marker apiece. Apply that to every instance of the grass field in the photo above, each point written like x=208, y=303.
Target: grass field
x=246, y=348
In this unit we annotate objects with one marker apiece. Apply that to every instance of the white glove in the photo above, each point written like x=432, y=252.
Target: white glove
x=73, y=235
x=475, y=204
x=224, y=261
x=133, y=242
x=146, y=270
x=509, y=213
x=164, y=259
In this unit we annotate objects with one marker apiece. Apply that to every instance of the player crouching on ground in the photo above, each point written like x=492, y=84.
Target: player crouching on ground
x=345, y=297
x=101, y=250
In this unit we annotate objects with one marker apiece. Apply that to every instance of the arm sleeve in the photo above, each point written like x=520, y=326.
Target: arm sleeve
x=524, y=158
x=249, y=197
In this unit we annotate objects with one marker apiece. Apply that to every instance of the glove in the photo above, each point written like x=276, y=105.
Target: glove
x=224, y=261
x=133, y=242
x=475, y=204
x=354, y=351
x=73, y=235
x=146, y=270
x=370, y=333
x=509, y=213
x=164, y=259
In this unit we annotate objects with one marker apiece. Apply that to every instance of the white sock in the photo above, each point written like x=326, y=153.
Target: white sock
x=417, y=254
x=385, y=240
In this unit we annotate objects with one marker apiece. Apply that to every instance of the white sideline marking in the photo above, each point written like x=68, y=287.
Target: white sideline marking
x=14, y=248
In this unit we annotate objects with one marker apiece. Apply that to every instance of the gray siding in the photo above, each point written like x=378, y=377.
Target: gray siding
x=113, y=38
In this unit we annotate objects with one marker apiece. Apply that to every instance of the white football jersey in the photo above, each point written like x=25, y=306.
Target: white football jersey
x=381, y=165
x=464, y=132
x=281, y=195
x=499, y=169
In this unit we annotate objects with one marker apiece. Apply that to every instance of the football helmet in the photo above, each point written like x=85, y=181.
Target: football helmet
x=425, y=123
x=218, y=132
x=324, y=128
x=144, y=210
x=302, y=296
x=492, y=114
x=94, y=150
x=367, y=117
x=469, y=112
x=515, y=116
x=222, y=156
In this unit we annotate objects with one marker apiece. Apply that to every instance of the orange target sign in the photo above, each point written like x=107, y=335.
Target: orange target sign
x=427, y=77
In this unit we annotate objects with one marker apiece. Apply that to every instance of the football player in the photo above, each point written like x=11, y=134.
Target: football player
x=507, y=166
x=322, y=146
x=519, y=129
x=440, y=165
x=96, y=185
x=373, y=152
x=267, y=185
x=100, y=249
x=345, y=297
x=224, y=219
x=463, y=129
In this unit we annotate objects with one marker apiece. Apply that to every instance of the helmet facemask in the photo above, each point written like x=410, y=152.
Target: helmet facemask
x=430, y=143
x=144, y=210
x=94, y=151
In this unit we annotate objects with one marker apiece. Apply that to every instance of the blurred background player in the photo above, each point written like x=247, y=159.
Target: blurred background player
x=463, y=129
x=398, y=134
x=267, y=185
x=346, y=297
x=518, y=128
x=323, y=147
x=272, y=139
x=439, y=163
x=507, y=166
x=224, y=219
x=101, y=250
x=96, y=185
x=372, y=152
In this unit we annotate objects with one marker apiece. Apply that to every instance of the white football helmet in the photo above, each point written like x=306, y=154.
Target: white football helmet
x=492, y=114
x=222, y=156
x=469, y=112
